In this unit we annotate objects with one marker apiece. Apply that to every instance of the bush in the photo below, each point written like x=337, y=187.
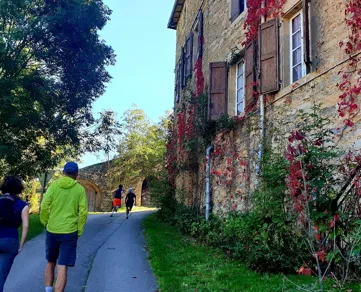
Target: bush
x=264, y=244
x=265, y=239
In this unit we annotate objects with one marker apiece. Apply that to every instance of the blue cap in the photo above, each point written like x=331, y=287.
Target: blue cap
x=71, y=168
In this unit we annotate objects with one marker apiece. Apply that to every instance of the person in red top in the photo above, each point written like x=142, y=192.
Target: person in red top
x=117, y=201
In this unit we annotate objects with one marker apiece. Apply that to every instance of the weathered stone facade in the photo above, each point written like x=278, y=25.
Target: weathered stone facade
x=100, y=188
x=221, y=38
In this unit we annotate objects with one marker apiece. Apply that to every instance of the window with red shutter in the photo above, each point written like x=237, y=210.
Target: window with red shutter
x=218, y=90
x=269, y=57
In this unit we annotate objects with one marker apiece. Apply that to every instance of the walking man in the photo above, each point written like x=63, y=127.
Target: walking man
x=129, y=201
x=64, y=211
x=117, y=201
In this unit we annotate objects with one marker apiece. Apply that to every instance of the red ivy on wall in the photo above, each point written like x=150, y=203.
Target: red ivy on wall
x=351, y=84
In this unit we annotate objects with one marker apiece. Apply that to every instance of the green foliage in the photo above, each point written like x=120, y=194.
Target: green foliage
x=52, y=68
x=142, y=147
x=226, y=123
x=265, y=239
x=182, y=265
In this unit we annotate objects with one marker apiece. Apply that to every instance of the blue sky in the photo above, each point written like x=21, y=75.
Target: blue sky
x=145, y=49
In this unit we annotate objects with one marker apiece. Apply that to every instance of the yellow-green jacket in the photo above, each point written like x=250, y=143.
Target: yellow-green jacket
x=64, y=208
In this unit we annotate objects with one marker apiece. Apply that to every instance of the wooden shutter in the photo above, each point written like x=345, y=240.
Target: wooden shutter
x=182, y=69
x=269, y=56
x=200, y=35
x=218, y=90
x=189, y=55
x=177, y=83
x=250, y=72
x=235, y=9
x=306, y=34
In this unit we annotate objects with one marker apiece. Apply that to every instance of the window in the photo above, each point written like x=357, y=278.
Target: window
x=237, y=7
x=240, y=92
x=298, y=67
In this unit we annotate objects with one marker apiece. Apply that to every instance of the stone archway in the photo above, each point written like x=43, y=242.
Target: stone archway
x=146, y=197
x=93, y=194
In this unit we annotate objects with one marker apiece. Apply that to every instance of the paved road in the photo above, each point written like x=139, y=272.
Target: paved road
x=111, y=258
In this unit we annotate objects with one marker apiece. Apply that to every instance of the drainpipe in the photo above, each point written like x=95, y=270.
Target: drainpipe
x=208, y=181
x=261, y=111
x=261, y=133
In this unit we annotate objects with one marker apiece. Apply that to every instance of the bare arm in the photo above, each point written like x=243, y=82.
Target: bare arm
x=25, y=230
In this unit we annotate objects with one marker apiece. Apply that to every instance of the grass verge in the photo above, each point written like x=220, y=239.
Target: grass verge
x=35, y=227
x=180, y=265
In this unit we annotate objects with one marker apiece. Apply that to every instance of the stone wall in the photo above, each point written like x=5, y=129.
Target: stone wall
x=221, y=37
x=100, y=188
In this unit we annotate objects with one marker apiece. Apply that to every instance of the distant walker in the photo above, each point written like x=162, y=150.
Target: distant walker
x=130, y=201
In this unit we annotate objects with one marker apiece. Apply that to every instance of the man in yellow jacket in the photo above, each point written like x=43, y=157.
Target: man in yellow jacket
x=64, y=211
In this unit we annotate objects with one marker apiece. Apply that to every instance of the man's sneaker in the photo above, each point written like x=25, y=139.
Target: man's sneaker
x=111, y=215
x=127, y=217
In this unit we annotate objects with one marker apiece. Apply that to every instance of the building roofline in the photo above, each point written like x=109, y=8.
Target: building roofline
x=176, y=13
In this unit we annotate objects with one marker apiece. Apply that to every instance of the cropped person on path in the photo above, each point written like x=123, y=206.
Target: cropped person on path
x=129, y=201
x=117, y=201
x=13, y=213
x=64, y=212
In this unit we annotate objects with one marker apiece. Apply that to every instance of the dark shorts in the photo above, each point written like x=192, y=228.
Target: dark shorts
x=129, y=206
x=61, y=248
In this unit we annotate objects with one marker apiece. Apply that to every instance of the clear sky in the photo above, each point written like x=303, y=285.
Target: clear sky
x=145, y=49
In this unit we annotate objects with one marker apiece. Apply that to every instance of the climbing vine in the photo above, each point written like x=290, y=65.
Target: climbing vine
x=351, y=74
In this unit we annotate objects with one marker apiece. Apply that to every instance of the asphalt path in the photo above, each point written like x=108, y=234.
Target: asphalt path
x=111, y=258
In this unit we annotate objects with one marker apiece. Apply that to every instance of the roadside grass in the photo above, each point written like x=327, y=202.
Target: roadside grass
x=35, y=226
x=180, y=264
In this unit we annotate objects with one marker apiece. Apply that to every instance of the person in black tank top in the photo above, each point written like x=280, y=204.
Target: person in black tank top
x=14, y=212
x=129, y=201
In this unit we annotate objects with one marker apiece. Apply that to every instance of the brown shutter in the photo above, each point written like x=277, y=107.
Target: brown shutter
x=250, y=72
x=177, y=83
x=200, y=35
x=182, y=69
x=218, y=90
x=269, y=65
x=235, y=9
x=306, y=34
x=189, y=56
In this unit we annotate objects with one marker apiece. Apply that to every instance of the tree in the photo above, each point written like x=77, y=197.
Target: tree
x=52, y=68
x=142, y=147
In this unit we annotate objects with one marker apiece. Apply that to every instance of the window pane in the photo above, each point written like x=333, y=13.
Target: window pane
x=242, y=5
x=296, y=23
x=240, y=95
x=240, y=68
x=240, y=108
x=240, y=82
x=296, y=40
x=297, y=72
x=297, y=57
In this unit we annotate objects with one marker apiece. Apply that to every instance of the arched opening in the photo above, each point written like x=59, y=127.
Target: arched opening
x=93, y=194
x=146, y=196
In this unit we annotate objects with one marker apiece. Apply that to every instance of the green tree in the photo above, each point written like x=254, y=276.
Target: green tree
x=142, y=147
x=52, y=68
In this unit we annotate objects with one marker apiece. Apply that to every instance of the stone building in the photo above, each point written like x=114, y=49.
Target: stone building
x=296, y=58
x=100, y=188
